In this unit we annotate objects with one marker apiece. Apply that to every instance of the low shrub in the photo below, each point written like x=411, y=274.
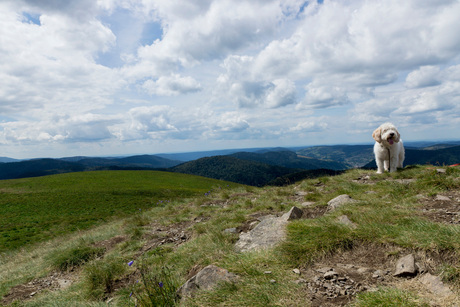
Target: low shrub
x=100, y=276
x=75, y=256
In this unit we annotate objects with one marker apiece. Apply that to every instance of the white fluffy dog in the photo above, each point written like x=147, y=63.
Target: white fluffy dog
x=388, y=148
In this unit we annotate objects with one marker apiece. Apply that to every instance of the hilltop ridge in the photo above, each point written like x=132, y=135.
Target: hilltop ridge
x=332, y=255
x=257, y=167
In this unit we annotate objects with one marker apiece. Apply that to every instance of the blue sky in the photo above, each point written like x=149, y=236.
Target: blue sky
x=118, y=77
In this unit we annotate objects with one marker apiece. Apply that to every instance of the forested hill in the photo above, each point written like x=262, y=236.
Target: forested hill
x=351, y=156
x=233, y=169
x=289, y=159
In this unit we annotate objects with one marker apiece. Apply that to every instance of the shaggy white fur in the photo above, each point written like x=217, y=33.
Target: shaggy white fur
x=388, y=148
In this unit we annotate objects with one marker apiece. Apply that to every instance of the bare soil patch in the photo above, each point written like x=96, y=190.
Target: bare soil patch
x=442, y=208
x=175, y=234
x=55, y=281
x=313, y=212
x=337, y=279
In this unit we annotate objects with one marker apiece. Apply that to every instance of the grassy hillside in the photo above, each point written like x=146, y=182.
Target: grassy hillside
x=37, y=209
x=156, y=249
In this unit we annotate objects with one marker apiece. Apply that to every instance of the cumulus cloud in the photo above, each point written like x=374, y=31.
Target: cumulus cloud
x=153, y=72
x=423, y=77
x=324, y=96
x=51, y=65
x=171, y=85
x=249, y=91
x=65, y=128
x=310, y=125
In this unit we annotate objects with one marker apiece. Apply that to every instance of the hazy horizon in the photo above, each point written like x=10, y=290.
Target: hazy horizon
x=408, y=143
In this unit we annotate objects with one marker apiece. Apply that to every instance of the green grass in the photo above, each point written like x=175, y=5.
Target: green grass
x=386, y=214
x=70, y=258
x=38, y=209
x=388, y=297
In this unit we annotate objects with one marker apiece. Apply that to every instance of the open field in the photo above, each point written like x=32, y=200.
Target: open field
x=38, y=209
x=123, y=258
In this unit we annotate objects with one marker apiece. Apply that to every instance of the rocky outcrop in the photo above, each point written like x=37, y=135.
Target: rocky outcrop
x=269, y=232
x=207, y=279
x=435, y=285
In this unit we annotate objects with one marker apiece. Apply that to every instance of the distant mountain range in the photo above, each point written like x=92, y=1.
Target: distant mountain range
x=255, y=167
x=42, y=167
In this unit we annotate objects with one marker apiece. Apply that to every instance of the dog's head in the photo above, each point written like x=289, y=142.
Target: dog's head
x=386, y=134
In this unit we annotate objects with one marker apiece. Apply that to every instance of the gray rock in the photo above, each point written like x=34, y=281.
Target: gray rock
x=343, y=219
x=269, y=232
x=266, y=234
x=339, y=201
x=330, y=275
x=307, y=204
x=231, y=230
x=377, y=274
x=405, y=266
x=293, y=214
x=207, y=279
x=301, y=193
x=435, y=285
x=442, y=198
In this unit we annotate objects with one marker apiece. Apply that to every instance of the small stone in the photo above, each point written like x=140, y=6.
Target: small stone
x=296, y=271
x=343, y=219
x=272, y=281
x=267, y=272
x=339, y=201
x=330, y=275
x=324, y=269
x=406, y=266
x=231, y=230
x=440, y=170
x=301, y=193
x=377, y=274
x=442, y=198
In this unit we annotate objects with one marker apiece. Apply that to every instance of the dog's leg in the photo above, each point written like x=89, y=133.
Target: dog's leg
x=393, y=163
x=380, y=168
x=401, y=158
x=385, y=165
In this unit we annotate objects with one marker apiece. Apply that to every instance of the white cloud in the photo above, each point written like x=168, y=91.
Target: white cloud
x=199, y=73
x=171, y=85
x=324, y=96
x=423, y=77
x=282, y=93
x=80, y=128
